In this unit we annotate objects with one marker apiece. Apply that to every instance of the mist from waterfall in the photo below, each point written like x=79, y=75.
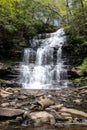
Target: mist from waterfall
x=43, y=65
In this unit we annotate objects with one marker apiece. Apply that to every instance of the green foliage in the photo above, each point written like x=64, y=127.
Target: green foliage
x=84, y=65
x=84, y=44
x=21, y=19
x=82, y=80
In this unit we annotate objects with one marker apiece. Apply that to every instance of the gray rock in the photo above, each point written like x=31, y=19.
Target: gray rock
x=5, y=104
x=7, y=112
x=74, y=112
x=42, y=117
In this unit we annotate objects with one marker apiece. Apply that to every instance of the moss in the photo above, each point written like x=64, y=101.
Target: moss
x=82, y=80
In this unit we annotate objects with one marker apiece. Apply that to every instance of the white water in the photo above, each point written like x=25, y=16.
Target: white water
x=42, y=66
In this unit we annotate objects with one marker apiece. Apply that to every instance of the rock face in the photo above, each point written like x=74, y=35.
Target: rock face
x=10, y=71
x=9, y=74
x=6, y=112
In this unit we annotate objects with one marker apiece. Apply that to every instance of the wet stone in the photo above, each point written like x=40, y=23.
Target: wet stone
x=7, y=112
x=5, y=104
x=22, y=97
x=42, y=117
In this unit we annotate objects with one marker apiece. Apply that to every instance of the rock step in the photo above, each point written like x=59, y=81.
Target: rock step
x=7, y=112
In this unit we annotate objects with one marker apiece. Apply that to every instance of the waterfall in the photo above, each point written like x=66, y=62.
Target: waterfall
x=43, y=65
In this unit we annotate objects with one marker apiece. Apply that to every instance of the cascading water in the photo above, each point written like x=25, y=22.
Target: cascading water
x=43, y=65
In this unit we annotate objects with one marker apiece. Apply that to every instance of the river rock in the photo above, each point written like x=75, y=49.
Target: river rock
x=74, y=112
x=42, y=117
x=7, y=112
x=57, y=107
x=46, y=102
x=5, y=104
x=19, y=119
x=12, y=104
x=22, y=97
x=78, y=101
x=5, y=94
x=66, y=114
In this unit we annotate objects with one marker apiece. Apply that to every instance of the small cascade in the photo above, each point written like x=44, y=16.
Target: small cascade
x=43, y=65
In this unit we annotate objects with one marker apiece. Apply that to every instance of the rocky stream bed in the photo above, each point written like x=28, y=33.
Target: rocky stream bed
x=64, y=109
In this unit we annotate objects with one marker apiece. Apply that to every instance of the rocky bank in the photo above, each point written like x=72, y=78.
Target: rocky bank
x=65, y=108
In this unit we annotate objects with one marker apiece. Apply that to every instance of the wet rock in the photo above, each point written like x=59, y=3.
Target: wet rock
x=40, y=94
x=45, y=102
x=5, y=104
x=30, y=104
x=42, y=117
x=4, y=93
x=74, y=112
x=6, y=112
x=83, y=92
x=12, y=90
x=19, y=119
x=78, y=101
x=20, y=104
x=8, y=83
x=66, y=114
x=12, y=104
x=26, y=115
x=22, y=97
x=35, y=107
x=57, y=107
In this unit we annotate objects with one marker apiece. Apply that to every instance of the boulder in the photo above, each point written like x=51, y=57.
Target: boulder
x=45, y=102
x=42, y=117
x=7, y=112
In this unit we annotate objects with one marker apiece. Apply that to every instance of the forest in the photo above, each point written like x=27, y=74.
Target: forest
x=27, y=24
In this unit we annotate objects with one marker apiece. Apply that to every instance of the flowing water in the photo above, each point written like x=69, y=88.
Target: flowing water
x=43, y=63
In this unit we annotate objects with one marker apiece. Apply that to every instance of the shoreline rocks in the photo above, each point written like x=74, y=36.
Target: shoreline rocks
x=65, y=106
